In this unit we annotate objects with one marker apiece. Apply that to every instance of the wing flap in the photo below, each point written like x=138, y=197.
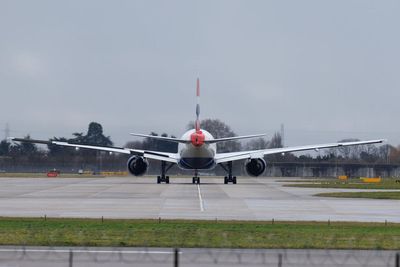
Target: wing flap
x=100, y=148
x=321, y=146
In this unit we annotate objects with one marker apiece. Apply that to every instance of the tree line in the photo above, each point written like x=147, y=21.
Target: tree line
x=30, y=156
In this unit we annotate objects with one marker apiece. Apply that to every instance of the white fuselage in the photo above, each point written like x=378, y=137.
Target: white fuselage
x=197, y=157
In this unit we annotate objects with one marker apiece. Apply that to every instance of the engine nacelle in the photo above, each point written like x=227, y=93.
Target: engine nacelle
x=255, y=167
x=137, y=165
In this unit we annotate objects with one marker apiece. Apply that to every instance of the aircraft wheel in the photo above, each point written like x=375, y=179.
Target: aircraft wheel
x=225, y=180
x=234, y=179
x=193, y=180
x=198, y=180
x=158, y=179
x=167, y=179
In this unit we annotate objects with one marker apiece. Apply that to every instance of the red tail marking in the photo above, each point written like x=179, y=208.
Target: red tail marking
x=197, y=123
x=197, y=138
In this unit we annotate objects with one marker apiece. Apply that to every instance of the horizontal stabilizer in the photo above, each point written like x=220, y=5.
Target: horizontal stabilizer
x=233, y=138
x=168, y=139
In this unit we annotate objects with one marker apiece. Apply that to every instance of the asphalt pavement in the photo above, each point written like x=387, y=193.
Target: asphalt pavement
x=130, y=197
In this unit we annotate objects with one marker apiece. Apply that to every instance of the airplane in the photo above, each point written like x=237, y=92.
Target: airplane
x=197, y=150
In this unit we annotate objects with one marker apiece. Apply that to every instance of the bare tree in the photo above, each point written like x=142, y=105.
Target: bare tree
x=257, y=143
x=219, y=129
x=349, y=152
x=276, y=141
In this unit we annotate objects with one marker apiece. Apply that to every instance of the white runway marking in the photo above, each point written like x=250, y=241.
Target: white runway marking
x=200, y=198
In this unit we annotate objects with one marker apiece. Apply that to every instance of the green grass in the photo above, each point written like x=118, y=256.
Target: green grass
x=180, y=233
x=387, y=183
x=374, y=195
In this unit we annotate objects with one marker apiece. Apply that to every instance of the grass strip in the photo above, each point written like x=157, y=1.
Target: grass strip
x=351, y=184
x=181, y=233
x=374, y=195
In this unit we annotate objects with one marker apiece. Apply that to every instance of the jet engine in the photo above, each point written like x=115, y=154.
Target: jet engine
x=255, y=167
x=137, y=165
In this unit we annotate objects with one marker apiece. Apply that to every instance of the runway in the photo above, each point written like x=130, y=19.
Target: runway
x=130, y=197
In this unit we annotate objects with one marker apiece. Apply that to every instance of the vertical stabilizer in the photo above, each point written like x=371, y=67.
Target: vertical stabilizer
x=197, y=138
x=197, y=123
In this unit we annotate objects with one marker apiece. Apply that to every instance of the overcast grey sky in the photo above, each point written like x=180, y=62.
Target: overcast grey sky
x=328, y=70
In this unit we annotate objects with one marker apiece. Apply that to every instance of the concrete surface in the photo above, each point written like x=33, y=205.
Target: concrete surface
x=130, y=197
x=75, y=256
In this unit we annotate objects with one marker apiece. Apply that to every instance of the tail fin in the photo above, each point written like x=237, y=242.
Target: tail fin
x=197, y=123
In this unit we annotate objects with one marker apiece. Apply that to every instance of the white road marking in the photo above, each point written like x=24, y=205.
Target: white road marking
x=200, y=198
x=88, y=251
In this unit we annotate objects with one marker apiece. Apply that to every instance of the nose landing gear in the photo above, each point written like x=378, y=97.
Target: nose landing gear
x=196, y=178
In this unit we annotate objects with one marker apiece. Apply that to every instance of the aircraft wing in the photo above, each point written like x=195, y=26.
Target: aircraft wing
x=225, y=157
x=164, y=156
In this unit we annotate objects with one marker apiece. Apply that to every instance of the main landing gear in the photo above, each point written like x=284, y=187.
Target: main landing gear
x=196, y=178
x=228, y=169
x=164, y=168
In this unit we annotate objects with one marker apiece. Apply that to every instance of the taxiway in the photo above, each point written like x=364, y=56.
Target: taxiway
x=130, y=197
